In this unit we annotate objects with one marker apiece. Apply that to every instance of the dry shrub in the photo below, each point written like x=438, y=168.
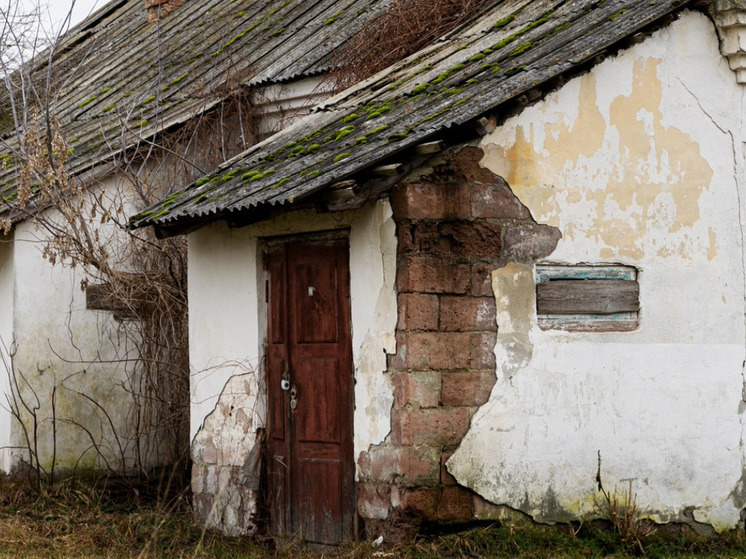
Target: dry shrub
x=143, y=280
x=405, y=27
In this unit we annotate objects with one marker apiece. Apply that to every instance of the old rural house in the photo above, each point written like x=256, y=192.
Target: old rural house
x=144, y=97
x=504, y=269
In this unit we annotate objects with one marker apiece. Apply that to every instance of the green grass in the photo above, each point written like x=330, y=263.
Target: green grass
x=74, y=520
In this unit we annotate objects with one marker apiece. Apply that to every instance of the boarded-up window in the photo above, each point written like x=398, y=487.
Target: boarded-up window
x=587, y=298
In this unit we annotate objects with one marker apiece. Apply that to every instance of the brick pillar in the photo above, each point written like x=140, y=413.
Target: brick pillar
x=451, y=227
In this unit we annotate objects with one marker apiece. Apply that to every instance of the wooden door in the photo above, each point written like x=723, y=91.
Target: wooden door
x=310, y=418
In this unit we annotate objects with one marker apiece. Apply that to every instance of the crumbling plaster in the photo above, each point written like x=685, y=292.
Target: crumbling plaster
x=227, y=328
x=641, y=162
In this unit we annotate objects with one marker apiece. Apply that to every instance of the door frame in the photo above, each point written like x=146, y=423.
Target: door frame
x=268, y=244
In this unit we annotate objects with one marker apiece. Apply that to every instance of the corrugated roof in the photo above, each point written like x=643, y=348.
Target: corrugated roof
x=516, y=46
x=119, y=78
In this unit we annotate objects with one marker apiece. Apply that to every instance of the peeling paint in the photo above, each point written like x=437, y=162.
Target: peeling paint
x=226, y=456
x=638, y=180
x=634, y=163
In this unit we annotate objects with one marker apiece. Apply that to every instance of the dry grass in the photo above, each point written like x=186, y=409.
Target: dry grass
x=405, y=27
x=76, y=520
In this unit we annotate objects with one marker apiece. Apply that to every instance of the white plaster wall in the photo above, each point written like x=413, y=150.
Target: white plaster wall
x=224, y=333
x=69, y=361
x=6, y=346
x=227, y=313
x=279, y=105
x=640, y=161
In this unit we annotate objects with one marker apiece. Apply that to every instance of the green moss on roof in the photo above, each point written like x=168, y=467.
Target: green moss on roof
x=420, y=88
x=522, y=31
x=279, y=31
x=149, y=100
x=521, y=49
x=334, y=18
x=344, y=132
x=350, y=118
x=341, y=156
x=503, y=22
x=250, y=175
x=203, y=180
x=313, y=148
x=179, y=79
x=514, y=71
x=281, y=182
x=170, y=199
x=379, y=129
x=88, y=101
x=161, y=214
x=108, y=108
x=262, y=175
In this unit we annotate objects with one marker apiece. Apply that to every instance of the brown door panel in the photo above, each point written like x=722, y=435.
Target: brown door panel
x=311, y=465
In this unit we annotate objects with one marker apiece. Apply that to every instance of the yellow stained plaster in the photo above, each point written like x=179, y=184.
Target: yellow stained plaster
x=633, y=176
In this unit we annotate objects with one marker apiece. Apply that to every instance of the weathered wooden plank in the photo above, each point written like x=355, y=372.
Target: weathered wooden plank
x=579, y=325
x=431, y=147
x=550, y=272
x=587, y=297
x=392, y=170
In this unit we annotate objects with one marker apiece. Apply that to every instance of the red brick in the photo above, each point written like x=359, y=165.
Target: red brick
x=445, y=477
x=403, y=464
x=420, y=502
x=431, y=201
x=467, y=314
x=420, y=389
x=481, y=279
x=373, y=500
x=432, y=426
x=472, y=239
x=483, y=351
x=418, y=311
x=495, y=200
x=455, y=505
x=432, y=350
x=426, y=274
x=471, y=388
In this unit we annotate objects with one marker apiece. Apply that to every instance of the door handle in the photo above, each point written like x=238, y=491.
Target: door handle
x=293, y=398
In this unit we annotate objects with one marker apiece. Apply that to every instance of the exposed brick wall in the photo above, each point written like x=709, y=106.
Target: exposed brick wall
x=454, y=226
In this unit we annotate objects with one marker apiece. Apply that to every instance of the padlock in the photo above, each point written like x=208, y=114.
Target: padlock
x=285, y=382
